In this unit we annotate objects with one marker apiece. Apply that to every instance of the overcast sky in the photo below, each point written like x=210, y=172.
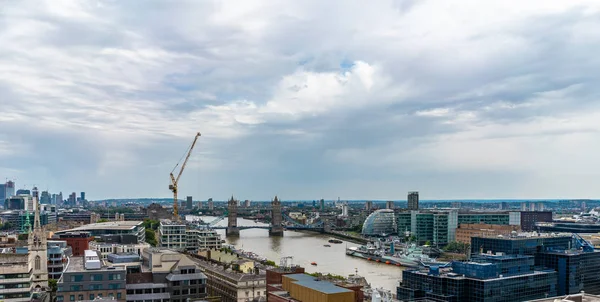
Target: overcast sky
x=304, y=99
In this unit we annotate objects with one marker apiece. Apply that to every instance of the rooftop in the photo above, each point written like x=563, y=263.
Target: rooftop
x=75, y=264
x=171, y=222
x=229, y=273
x=112, y=225
x=571, y=298
x=315, y=284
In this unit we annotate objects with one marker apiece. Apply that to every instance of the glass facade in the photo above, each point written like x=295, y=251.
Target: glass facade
x=577, y=271
x=439, y=227
x=471, y=218
x=488, y=279
x=380, y=222
x=519, y=245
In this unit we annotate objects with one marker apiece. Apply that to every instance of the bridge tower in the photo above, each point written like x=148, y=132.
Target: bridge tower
x=276, y=218
x=232, y=228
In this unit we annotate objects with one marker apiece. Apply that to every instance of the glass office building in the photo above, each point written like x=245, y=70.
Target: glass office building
x=577, y=271
x=486, y=279
x=519, y=245
x=380, y=223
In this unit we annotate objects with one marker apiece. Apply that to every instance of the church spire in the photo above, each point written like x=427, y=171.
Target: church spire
x=36, y=223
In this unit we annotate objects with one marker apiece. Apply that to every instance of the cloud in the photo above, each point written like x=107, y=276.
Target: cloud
x=303, y=99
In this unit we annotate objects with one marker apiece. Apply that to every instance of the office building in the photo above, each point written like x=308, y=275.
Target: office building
x=211, y=204
x=202, y=239
x=577, y=270
x=568, y=227
x=368, y=206
x=522, y=244
x=3, y=192
x=72, y=199
x=35, y=193
x=465, y=231
x=172, y=235
x=82, y=196
x=166, y=276
x=78, y=241
x=24, y=220
x=112, y=228
x=45, y=198
x=580, y=297
x=472, y=217
x=9, y=189
x=59, y=198
x=380, y=223
x=15, y=277
x=232, y=284
x=497, y=278
x=87, y=277
x=413, y=201
x=58, y=252
x=189, y=203
x=528, y=219
x=15, y=203
x=389, y=205
x=437, y=227
x=104, y=249
x=322, y=204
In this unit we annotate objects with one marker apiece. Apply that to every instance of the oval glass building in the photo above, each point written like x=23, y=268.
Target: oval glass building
x=380, y=223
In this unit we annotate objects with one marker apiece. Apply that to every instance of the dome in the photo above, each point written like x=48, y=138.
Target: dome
x=380, y=222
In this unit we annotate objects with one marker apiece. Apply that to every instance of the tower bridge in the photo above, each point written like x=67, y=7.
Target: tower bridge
x=276, y=227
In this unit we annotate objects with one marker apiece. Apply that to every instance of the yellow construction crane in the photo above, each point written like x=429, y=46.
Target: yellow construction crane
x=175, y=181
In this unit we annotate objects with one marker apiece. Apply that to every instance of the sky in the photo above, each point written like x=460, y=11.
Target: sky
x=302, y=99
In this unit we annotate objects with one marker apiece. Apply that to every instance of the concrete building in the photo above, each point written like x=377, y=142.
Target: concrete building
x=105, y=248
x=211, y=204
x=437, y=227
x=15, y=277
x=322, y=204
x=112, y=228
x=368, y=206
x=413, y=201
x=172, y=235
x=231, y=284
x=389, y=205
x=466, y=231
x=86, y=278
x=202, y=239
x=166, y=276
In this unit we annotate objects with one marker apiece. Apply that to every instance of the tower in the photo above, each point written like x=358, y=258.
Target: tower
x=232, y=229
x=276, y=227
x=413, y=201
x=38, y=257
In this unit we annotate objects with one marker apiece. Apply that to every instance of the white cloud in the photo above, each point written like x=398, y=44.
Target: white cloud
x=428, y=87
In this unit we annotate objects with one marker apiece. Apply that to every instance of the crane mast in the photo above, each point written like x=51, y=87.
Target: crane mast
x=175, y=180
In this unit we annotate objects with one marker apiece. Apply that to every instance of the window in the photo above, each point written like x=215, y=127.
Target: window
x=72, y=298
x=192, y=291
x=76, y=278
x=176, y=293
x=118, y=296
x=247, y=293
x=115, y=286
x=176, y=283
x=96, y=277
x=80, y=297
x=60, y=298
x=92, y=297
x=192, y=282
x=184, y=291
x=38, y=262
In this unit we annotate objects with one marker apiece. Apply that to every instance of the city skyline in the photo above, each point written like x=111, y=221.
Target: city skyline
x=302, y=100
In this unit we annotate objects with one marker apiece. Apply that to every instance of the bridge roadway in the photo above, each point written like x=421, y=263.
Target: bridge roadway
x=267, y=227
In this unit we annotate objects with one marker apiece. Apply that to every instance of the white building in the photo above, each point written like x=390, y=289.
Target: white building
x=117, y=248
x=175, y=235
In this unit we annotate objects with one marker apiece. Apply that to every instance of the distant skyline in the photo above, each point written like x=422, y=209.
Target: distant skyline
x=302, y=99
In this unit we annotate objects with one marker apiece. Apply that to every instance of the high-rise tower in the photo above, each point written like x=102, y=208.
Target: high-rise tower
x=413, y=201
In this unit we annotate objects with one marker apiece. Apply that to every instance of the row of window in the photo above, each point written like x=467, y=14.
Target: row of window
x=17, y=285
x=91, y=296
x=96, y=277
x=95, y=287
x=14, y=276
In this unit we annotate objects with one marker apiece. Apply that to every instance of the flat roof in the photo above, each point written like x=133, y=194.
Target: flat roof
x=315, y=284
x=111, y=225
x=572, y=297
x=76, y=265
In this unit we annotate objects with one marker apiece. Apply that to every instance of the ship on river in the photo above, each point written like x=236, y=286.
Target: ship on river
x=410, y=256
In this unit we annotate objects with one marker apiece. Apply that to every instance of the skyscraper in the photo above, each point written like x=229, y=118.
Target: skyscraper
x=389, y=205
x=35, y=193
x=72, y=199
x=59, y=198
x=413, y=201
x=82, y=196
x=45, y=198
x=3, y=192
x=322, y=203
x=188, y=203
x=9, y=188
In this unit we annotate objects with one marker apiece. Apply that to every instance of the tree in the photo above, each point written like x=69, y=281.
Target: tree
x=102, y=220
x=151, y=237
x=151, y=224
x=428, y=243
x=53, y=284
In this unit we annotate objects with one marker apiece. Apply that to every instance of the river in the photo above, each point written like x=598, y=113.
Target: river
x=307, y=247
